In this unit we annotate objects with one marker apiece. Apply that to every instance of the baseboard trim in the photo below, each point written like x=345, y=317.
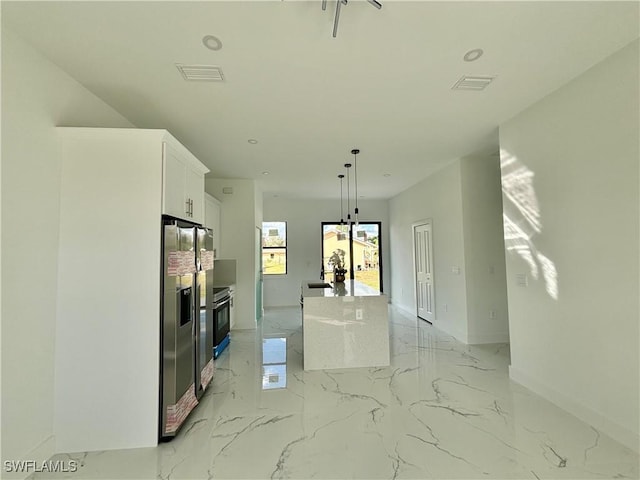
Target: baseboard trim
x=616, y=431
x=442, y=326
x=453, y=331
x=39, y=454
x=403, y=308
x=482, y=338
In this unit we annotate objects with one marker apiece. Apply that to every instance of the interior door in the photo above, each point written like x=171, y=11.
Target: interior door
x=423, y=259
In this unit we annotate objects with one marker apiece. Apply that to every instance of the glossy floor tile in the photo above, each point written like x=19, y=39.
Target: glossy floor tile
x=441, y=410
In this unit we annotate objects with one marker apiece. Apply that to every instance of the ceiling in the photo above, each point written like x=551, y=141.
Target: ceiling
x=383, y=85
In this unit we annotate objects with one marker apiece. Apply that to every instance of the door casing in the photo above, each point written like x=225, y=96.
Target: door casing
x=423, y=275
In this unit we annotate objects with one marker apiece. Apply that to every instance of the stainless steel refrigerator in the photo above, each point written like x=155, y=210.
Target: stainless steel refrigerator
x=204, y=306
x=186, y=361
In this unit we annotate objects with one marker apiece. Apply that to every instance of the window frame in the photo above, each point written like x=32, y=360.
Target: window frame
x=284, y=247
x=351, y=273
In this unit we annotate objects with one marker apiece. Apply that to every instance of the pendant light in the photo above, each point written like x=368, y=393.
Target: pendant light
x=355, y=153
x=348, y=166
x=341, y=177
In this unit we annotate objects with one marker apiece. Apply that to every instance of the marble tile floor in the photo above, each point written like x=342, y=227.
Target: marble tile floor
x=440, y=410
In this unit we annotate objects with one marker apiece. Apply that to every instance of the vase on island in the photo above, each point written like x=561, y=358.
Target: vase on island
x=337, y=262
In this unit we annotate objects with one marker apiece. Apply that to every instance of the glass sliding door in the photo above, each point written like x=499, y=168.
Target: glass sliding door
x=361, y=247
x=335, y=240
x=366, y=254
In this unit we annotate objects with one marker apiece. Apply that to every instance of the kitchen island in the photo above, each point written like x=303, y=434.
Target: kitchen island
x=344, y=325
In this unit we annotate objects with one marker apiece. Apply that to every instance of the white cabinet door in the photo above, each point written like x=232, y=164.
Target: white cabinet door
x=194, y=193
x=183, y=184
x=174, y=202
x=212, y=220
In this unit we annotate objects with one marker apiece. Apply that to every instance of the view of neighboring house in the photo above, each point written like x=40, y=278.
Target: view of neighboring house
x=366, y=263
x=365, y=252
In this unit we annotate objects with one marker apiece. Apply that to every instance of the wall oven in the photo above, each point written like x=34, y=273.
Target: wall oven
x=221, y=319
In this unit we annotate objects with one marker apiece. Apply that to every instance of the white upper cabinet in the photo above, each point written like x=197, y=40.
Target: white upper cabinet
x=183, y=183
x=174, y=202
x=212, y=220
x=194, y=191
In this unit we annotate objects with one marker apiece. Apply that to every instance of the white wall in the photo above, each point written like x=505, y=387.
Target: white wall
x=239, y=216
x=570, y=164
x=36, y=96
x=487, y=314
x=438, y=198
x=107, y=327
x=304, y=238
x=463, y=202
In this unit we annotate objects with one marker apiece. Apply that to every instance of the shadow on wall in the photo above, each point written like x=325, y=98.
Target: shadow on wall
x=520, y=198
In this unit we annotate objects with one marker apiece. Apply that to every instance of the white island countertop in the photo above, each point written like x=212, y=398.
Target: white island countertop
x=344, y=325
x=350, y=288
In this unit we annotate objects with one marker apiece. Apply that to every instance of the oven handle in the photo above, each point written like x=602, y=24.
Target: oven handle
x=222, y=302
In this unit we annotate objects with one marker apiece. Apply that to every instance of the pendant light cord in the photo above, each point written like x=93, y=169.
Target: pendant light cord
x=341, y=211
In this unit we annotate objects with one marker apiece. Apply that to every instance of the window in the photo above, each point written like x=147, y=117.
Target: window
x=359, y=247
x=274, y=248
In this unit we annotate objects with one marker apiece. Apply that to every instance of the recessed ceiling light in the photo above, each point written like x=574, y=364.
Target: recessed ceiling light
x=265, y=173
x=473, y=55
x=252, y=141
x=211, y=42
x=387, y=174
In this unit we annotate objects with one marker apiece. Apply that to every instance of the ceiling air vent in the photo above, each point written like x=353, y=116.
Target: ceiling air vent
x=473, y=82
x=201, y=73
